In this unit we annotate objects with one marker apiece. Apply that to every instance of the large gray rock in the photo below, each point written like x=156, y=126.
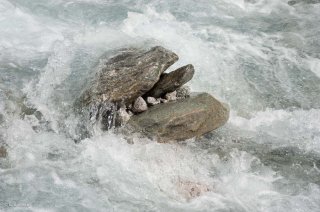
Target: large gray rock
x=172, y=81
x=128, y=75
x=186, y=118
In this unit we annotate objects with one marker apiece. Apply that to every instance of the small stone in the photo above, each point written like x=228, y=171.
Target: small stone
x=171, y=96
x=122, y=117
x=163, y=100
x=152, y=101
x=139, y=105
x=183, y=92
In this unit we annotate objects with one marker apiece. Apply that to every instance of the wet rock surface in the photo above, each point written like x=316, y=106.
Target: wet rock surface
x=132, y=91
x=128, y=75
x=172, y=81
x=182, y=119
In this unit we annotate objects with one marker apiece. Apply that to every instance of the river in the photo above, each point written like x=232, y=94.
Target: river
x=262, y=57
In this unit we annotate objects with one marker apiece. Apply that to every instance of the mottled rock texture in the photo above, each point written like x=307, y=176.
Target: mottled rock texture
x=183, y=92
x=183, y=119
x=139, y=105
x=128, y=75
x=172, y=81
x=152, y=101
x=126, y=84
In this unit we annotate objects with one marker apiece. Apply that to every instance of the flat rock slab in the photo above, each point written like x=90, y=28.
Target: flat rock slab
x=183, y=119
x=128, y=75
x=172, y=81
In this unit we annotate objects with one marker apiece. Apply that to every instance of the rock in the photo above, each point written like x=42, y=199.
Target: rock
x=122, y=117
x=139, y=105
x=171, y=96
x=130, y=113
x=3, y=152
x=152, y=101
x=183, y=119
x=103, y=113
x=163, y=100
x=191, y=190
x=183, y=92
x=172, y=81
x=128, y=75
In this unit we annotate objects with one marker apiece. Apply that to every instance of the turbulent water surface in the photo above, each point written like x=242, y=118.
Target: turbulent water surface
x=260, y=56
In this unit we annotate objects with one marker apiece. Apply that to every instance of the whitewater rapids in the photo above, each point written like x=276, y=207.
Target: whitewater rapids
x=260, y=56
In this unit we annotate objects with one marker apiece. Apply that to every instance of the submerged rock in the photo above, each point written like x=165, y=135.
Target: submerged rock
x=103, y=113
x=182, y=119
x=172, y=81
x=293, y=2
x=3, y=152
x=191, y=190
x=128, y=75
x=2, y=118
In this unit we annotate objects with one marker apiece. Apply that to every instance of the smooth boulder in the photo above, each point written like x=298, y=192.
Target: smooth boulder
x=172, y=81
x=128, y=75
x=183, y=119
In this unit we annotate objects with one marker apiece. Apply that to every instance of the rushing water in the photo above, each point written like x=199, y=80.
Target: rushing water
x=260, y=56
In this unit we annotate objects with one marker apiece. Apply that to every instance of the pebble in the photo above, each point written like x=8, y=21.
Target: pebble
x=139, y=105
x=171, y=96
x=122, y=116
x=163, y=100
x=152, y=101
